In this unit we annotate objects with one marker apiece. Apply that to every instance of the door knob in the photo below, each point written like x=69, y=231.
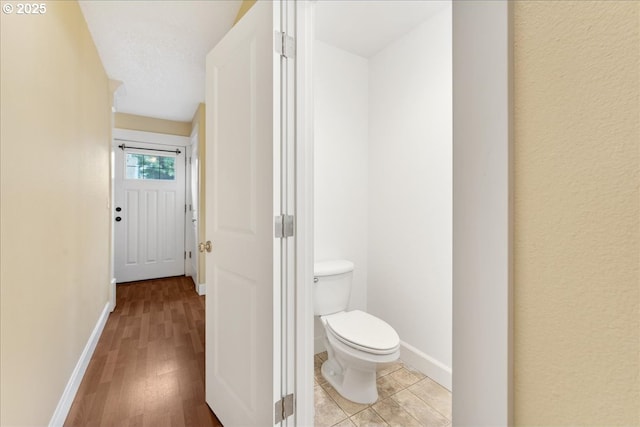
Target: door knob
x=205, y=246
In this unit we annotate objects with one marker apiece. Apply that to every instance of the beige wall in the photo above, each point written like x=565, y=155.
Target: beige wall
x=577, y=284
x=199, y=119
x=150, y=124
x=55, y=126
x=244, y=8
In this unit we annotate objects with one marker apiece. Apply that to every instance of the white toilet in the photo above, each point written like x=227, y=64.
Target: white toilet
x=356, y=342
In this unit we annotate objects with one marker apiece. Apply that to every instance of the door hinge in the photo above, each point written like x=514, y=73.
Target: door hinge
x=285, y=45
x=283, y=408
x=283, y=226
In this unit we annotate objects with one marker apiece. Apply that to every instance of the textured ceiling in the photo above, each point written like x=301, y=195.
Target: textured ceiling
x=158, y=49
x=366, y=27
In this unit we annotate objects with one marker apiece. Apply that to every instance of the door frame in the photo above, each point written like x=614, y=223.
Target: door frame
x=304, y=208
x=482, y=213
x=194, y=146
x=119, y=136
x=482, y=218
x=127, y=135
x=188, y=244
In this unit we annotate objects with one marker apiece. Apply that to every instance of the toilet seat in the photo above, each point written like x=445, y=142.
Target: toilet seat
x=363, y=331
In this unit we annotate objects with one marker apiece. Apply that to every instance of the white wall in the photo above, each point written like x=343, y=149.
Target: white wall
x=340, y=189
x=410, y=193
x=383, y=184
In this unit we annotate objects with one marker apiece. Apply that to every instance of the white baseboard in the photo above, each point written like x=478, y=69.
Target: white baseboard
x=413, y=357
x=64, y=405
x=426, y=364
x=201, y=288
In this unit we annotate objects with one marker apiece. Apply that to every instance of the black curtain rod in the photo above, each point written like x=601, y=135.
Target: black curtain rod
x=150, y=149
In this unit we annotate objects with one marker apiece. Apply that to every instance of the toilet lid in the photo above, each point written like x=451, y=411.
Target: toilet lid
x=363, y=331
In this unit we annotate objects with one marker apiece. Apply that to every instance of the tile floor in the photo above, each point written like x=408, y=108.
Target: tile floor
x=407, y=398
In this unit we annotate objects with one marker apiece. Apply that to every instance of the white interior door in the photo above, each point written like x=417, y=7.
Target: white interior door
x=242, y=196
x=149, y=212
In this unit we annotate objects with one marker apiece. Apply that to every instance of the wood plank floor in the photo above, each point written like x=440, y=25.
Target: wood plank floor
x=148, y=366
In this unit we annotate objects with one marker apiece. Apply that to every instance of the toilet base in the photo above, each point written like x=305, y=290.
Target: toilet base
x=356, y=385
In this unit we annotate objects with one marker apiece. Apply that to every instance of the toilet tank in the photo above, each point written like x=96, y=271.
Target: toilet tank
x=331, y=286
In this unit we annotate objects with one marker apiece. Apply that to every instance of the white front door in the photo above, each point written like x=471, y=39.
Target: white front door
x=243, y=347
x=149, y=211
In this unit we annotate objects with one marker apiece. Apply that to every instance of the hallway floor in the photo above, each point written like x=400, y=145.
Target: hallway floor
x=148, y=366
x=407, y=398
x=148, y=370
